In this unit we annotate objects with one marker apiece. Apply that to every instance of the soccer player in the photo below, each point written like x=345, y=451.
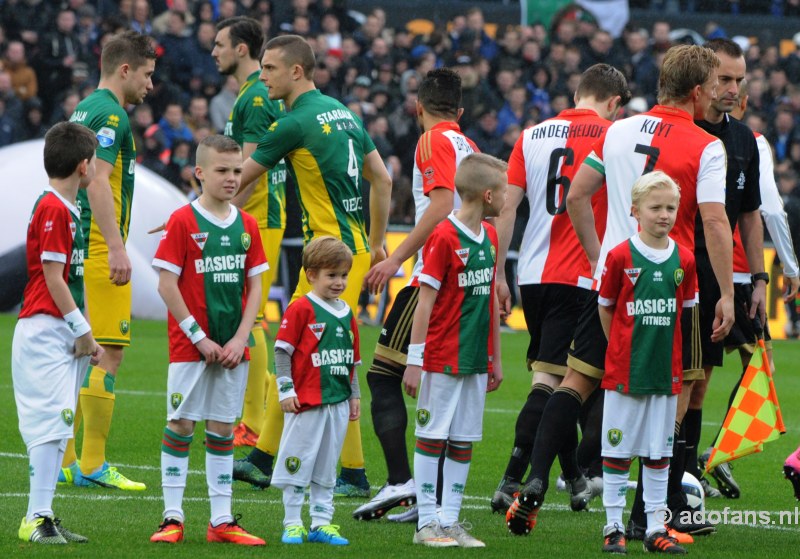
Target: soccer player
x=316, y=352
x=742, y=201
x=553, y=272
x=209, y=260
x=329, y=154
x=454, y=354
x=127, y=63
x=53, y=343
x=664, y=138
x=647, y=282
x=440, y=149
x=236, y=50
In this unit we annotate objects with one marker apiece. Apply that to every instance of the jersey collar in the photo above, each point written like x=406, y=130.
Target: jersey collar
x=662, y=110
x=249, y=82
x=657, y=255
x=446, y=125
x=576, y=112
x=222, y=223
x=70, y=206
x=308, y=95
x=341, y=312
x=466, y=230
x=110, y=94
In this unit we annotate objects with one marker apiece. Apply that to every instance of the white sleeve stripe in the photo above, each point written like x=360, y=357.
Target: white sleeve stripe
x=258, y=270
x=53, y=257
x=689, y=303
x=285, y=346
x=168, y=266
x=712, y=173
x=430, y=280
x=606, y=302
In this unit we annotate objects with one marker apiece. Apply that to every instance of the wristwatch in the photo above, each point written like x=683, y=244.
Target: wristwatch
x=760, y=276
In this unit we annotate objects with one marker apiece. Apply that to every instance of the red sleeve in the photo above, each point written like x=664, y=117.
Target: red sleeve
x=597, y=147
x=612, y=272
x=436, y=255
x=172, y=248
x=516, y=165
x=294, y=320
x=689, y=283
x=436, y=160
x=356, y=340
x=255, y=254
x=53, y=226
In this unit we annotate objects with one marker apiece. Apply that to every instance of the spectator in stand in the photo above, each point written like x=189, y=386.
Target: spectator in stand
x=180, y=157
x=88, y=28
x=510, y=138
x=783, y=136
x=222, y=103
x=404, y=129
x=402, y=208
x=141, y=121
x=140, y=17
x=484, y=132
x=173, y=126
x=161, y=22
x=378, y=54
x=227, y=8
x=514, y=109
x=380, y=99
x=360, y=94
x=331, y=28
x=205, y=69
x=65, y=107
x=28, y=20
x=33, y=126
x=59, y=51
x=378, y=130
x=509, y=56
x=660, y=37
x=388, y=79
x=600, y=50
x=179, y=50
x=538, y=87
x=791, y=63
x=198, y=115
x=12, y=105
x=474, y=37
x=640, y=68
x=205, y=12
x=23, y=78
x=9, y=127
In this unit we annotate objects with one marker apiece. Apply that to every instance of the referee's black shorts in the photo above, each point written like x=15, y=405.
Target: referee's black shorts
x=709, y=295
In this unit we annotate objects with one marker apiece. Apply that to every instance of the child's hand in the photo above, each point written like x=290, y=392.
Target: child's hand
x=355, y=408
x=232, y=353
x=494, y=380
x=86, y=345
x=291, y=405
x=411, y=380
x=209, y=349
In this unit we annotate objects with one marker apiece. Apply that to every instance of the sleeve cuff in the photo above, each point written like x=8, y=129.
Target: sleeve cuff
x=430, y=280
x=606, y=302
x=260, y=269
x=168, y=266
x=285, y=346
x=53, y=257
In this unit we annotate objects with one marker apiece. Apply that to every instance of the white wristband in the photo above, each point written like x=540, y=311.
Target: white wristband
x=77, y=323
x=415, y=352
x=192, y=329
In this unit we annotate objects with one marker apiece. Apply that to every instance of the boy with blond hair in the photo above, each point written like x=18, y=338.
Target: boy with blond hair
x=454, y=354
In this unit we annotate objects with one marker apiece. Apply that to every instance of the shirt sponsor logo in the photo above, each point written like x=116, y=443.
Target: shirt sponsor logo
x=106, y=137
x=113, y=120
x=200, y=239
x=633, y=274
x=475, y=277
x=79, y=116
x=317, y=329
x=333, y=357
x=226, y=263
x=649, y=309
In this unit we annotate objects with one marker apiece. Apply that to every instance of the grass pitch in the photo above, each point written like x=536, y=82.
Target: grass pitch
x=120, y=523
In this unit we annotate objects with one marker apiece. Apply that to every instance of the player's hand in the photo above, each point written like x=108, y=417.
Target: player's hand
x=758, y=302
x=380, y=274
x=97, y=354
x=355, y=408
x=723, y=319
x=232, y=353
x=119, y=266
x=494, y=380
x=290, y=405
x=157, y=229
x=85, y=345
x=411, y=380
x=209, y=349
x=376, y=255
x=792, y=284
x=503, y=296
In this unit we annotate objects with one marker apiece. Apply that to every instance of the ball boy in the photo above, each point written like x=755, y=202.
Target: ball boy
x=210, y=259
x=647, y=281
x=53, y=342
x=454, y=354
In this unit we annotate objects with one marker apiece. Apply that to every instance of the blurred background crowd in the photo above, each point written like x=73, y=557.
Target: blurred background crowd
x=513, y=75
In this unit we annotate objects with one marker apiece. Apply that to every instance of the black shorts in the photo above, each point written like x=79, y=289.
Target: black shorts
x=709, y=295
x=690, y=344
x=587, y=354
x=551, y=312
x=396, y=332
x=743, y=333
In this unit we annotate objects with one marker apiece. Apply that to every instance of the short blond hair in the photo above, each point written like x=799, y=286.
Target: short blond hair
x=479, y=172
x=649, y=182
x=684, y=68
x=326, y=252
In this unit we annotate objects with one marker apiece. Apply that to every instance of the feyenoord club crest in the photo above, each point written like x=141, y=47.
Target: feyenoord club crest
x=67, y=416
x=463, y=255
x=292, y=464
x=633, y=274
x=614, y=437
x=678, y=276
x=246, y=241
x=317, y=329
x=175, y=400
x=423, y=417
x=200, y=239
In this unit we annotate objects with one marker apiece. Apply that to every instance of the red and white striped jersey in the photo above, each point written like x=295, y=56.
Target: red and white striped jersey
x=439, y=152
x=543, y=163
x=772, y=211
x=662, y=139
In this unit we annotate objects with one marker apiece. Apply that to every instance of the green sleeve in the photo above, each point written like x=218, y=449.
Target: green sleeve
x=283, y=136
x=111, y=128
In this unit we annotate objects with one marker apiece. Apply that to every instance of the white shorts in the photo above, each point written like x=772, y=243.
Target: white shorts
x=451, y=406
x=197, y=391
x=47, y=378
x=638, y=425
x=311, y=443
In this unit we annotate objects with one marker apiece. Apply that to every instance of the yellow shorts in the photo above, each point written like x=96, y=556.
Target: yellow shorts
x=108, y=306
x=355, y=282
x=271, y=240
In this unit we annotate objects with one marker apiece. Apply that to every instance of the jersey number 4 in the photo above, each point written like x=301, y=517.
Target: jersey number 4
x=558, y=185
